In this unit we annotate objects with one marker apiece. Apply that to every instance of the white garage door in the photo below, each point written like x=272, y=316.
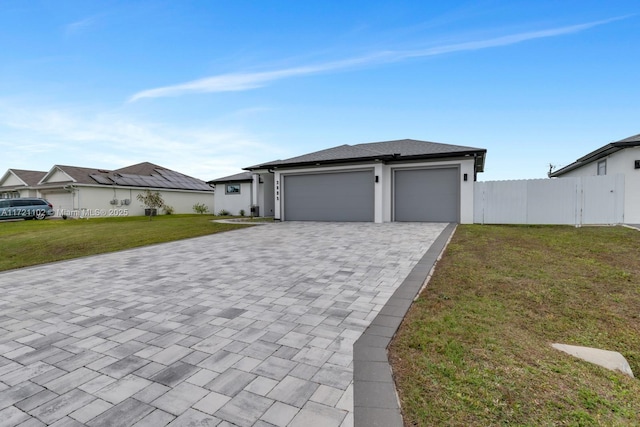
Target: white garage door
x=427, y=195
x=60, y=201
x=337, y=196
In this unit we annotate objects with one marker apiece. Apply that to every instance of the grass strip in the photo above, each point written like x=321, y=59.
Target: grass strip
x=475, y=347
x=27, y=243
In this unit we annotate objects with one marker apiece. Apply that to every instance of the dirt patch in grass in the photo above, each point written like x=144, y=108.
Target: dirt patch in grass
x=475, y=348
x=27, y=243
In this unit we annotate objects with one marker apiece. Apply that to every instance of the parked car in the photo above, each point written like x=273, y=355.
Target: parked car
x=25, y=207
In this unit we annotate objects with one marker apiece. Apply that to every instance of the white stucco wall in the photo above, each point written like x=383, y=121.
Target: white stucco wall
x=383, y=190
x=266, y=195
x=621, y=162
x=96, y=201
x=233, y=203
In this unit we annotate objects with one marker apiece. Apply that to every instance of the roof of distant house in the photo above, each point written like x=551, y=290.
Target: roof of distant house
x=604, y=151
x=139, y=175
x=239, y=177
x=386, y=151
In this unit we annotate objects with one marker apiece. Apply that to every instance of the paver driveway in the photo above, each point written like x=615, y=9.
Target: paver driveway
x=253, y=327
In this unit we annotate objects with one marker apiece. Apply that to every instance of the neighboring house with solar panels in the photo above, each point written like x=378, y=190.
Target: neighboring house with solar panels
x=78, y=191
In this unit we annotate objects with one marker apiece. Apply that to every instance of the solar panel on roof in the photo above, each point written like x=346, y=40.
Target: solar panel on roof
x=101, y=179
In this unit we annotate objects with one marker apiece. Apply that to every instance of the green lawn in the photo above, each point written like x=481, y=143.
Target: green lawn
x=25, y=243
x=475, y=350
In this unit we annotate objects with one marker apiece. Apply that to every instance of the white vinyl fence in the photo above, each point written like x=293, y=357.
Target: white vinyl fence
x=576, y=201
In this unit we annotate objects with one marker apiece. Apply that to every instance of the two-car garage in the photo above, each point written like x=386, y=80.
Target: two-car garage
x=418, y=194
x=400, y=180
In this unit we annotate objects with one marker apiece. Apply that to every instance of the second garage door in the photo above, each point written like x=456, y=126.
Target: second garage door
x=427, y=195
x=338, y=196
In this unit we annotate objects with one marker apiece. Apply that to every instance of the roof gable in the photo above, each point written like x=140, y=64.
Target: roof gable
x=21, y=177
x=57, y=174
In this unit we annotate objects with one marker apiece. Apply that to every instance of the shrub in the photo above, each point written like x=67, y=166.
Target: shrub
x=241, y=212
x=168, y=210
x=224, y=212
x=200, y=208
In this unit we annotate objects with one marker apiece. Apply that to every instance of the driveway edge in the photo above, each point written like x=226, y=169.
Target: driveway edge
x=374, y=393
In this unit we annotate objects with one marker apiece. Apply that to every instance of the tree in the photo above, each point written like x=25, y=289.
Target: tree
x=152, y=200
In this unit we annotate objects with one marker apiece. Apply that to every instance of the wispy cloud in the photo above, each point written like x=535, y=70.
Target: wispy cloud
x=80, y=26
x=245, y=81
x=36, y=138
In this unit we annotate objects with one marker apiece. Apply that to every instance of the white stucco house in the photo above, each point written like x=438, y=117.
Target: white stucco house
x=88, y=192
x=238, y=193
x=616, y=158
x=401, y=180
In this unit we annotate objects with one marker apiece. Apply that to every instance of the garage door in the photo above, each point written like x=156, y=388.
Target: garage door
x=428, y=195
x=60, y=201
x=340, y=196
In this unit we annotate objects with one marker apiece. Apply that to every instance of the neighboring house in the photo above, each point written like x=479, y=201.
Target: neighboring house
x=86, y=192
x=404, y=180
x=20, y=183
x=234, y=194
x=616, y=158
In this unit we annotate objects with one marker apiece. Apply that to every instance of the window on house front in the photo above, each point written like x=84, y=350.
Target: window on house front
x=602, y=167
x=232, y=189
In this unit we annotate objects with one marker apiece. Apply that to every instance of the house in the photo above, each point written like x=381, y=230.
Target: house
x=616, y=158
x=234, y=194
x=20, y=183
x=402, y=180
x=80, y=191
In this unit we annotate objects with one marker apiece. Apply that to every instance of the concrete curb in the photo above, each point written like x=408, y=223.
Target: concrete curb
x=374, y=394
x=241, y=221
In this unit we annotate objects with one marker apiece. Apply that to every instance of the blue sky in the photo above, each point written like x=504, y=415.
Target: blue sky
x=209, y=87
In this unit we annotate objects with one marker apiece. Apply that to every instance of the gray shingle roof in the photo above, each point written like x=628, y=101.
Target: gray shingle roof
x=239, y=177
x=634, y=138
x=398, y=150
x=604, y=151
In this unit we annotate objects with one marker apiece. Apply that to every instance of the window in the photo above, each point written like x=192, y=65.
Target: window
x=602, y=167
x=232, y=189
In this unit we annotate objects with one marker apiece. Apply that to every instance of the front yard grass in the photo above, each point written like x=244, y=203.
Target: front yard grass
x=26, y=243
x=474, y=350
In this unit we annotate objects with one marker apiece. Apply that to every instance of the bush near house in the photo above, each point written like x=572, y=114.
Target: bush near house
x=200, y=208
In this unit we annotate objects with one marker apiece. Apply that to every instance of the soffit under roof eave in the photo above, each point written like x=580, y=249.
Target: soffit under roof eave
x=224, y=181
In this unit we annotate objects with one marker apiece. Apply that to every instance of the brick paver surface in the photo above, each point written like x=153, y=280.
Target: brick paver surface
x=254, y=327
